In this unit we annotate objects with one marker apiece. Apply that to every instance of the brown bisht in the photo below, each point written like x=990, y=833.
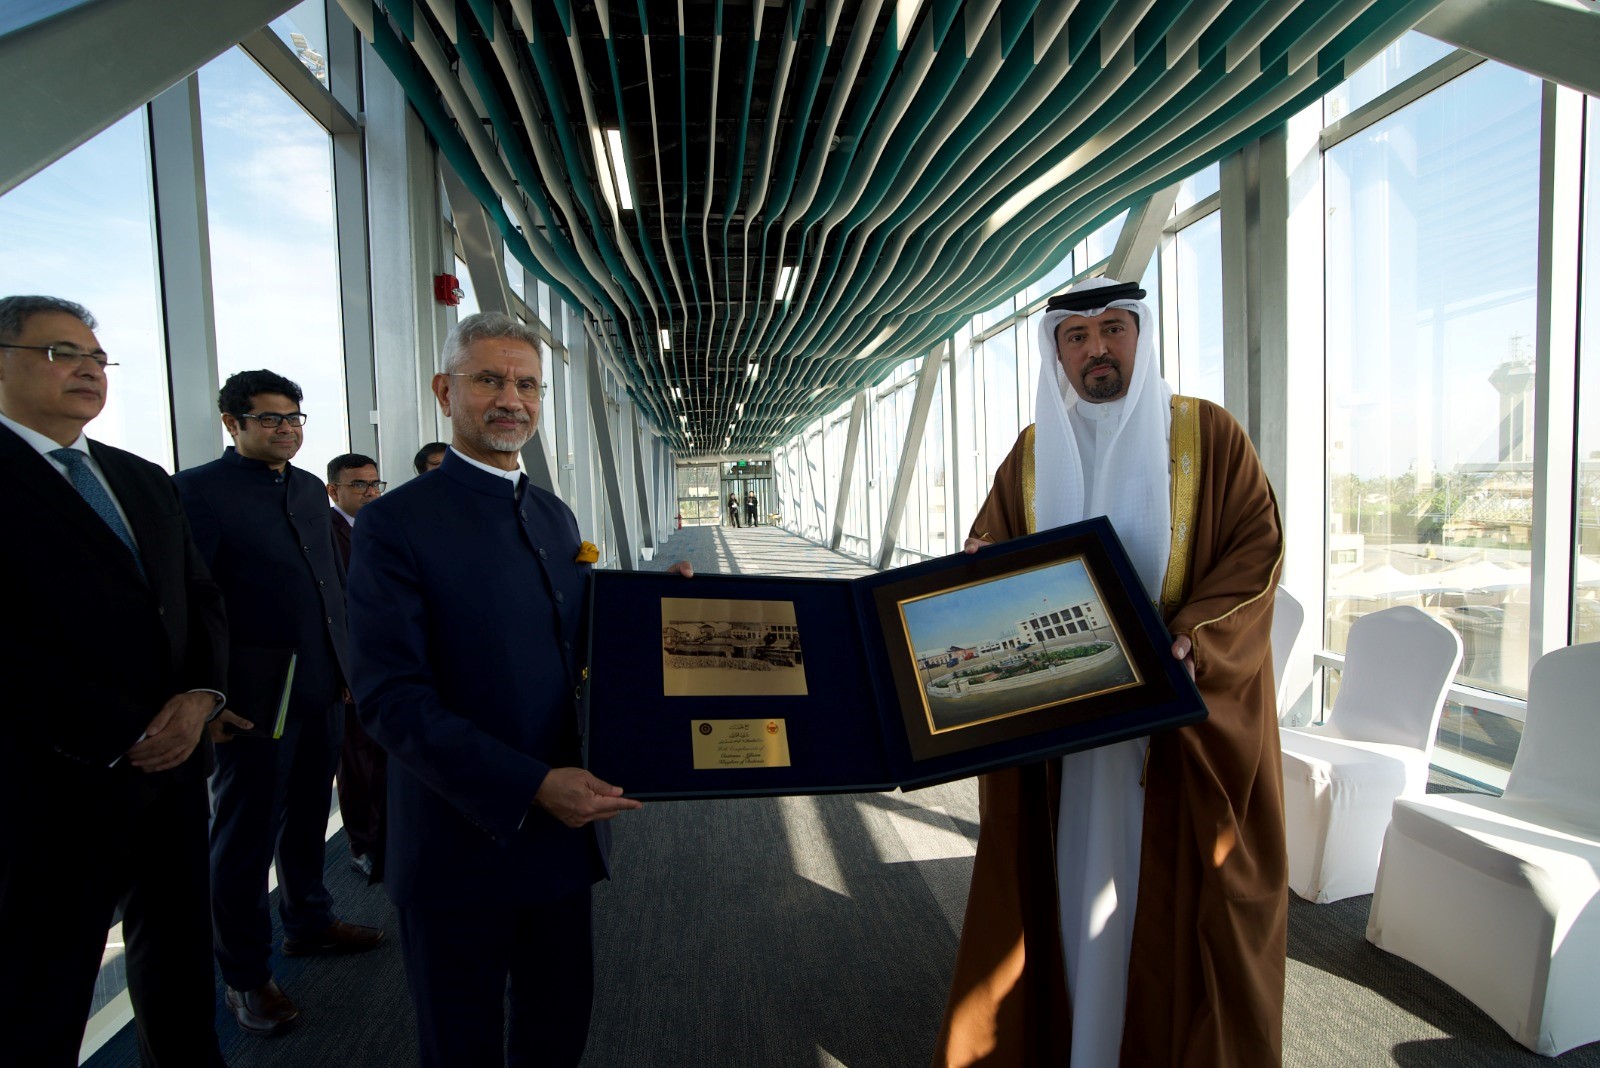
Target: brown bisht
x=1206, y=976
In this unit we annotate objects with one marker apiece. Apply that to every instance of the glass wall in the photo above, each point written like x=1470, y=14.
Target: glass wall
x=1586, y=503
x=274, y=247
x=84, y=229
x=1432, y=229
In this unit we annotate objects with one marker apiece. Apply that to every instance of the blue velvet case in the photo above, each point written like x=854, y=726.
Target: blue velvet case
x=867, y=721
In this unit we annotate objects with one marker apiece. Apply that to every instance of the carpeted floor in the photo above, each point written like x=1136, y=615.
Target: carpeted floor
x=821, y=931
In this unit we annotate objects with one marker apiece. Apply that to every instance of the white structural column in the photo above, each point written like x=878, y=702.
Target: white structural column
x=927, y=380
x=403, y=224
x=137, y=50
x=852, y=442
x=1555, y=402
x=188, y=313
x=1292, y=397
x=350, y=216
x=1255, y=256
x=607, y=453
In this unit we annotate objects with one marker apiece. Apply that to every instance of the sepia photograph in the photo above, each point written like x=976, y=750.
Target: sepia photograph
x=1001, y=648
x=728, y=648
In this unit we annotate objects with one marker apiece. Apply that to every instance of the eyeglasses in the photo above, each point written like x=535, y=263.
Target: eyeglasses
x=65, y=354
x=362, y=485
x=273, y=420
x=485, y=384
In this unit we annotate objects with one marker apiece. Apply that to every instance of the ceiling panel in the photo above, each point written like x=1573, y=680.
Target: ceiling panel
x=822, y=190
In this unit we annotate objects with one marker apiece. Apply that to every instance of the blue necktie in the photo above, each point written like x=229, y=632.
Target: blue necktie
x=77, y=464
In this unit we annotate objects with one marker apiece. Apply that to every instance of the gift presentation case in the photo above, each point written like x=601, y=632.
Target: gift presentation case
x=746, y=685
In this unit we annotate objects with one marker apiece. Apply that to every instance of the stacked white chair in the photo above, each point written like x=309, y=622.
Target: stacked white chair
x=1340, y=779
x=1500, y=896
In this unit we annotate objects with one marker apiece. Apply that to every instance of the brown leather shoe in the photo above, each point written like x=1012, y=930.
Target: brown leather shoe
x=340, y=937
x=265, y=1010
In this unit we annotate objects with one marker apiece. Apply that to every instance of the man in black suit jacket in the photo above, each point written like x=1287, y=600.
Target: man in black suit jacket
x=112, y=653
x=262, y=526
x=353, y=483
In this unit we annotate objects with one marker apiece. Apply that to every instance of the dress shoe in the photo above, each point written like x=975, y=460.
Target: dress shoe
x=362, y=865
x=340, y=937
x=265, y=1010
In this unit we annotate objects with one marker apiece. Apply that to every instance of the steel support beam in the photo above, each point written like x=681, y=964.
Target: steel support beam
x=350, y=218
x=927, y=382
x=1255, y=256
x=177, y=164
x=403, y=220
x=852, y=442
x=1141, y=235
x=138, y=53
x=1554, y=39
x=647, y=524
x=1555, y=401
x=626, y=557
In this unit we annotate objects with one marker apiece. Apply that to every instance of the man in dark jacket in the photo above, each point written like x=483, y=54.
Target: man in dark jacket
x=353, y=483
x=263, y=527
x=113, y=655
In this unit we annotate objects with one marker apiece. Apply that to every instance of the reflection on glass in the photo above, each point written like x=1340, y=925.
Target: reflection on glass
x=304, y=28
x=1586, y=565
x=998, y=368
x=514, y=274
x=1402, y=59
x=469, y=296
x=1431, y=235
x=274, y=249
x=1197, y=187
x=1197, y=288
x=994, y=315
x=1098, y=245
x=1052, y=283
x=83, y=229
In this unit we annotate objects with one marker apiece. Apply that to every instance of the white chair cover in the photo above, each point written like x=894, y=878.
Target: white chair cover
x=1340, y=780
x=1287, y=618
x=1497, y=896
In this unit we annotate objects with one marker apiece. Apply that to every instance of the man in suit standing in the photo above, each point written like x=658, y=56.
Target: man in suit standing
x=113, y=660
x=352, y=484
x=263, y=528
x=466, y=591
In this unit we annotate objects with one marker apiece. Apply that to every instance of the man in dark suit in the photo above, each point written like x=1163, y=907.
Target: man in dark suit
x=466, y=589
x=262, y=526
x=113, y=656
x=352, y=484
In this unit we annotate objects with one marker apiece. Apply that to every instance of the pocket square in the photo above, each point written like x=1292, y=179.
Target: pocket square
x=587, y=554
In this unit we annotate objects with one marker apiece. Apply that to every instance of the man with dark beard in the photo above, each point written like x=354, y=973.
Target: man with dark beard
x=466, y=590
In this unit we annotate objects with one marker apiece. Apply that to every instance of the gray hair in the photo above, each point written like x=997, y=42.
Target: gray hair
x=484, y=326
x=16, y=311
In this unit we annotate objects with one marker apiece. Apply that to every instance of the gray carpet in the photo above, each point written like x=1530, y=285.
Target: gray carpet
x=821, y=931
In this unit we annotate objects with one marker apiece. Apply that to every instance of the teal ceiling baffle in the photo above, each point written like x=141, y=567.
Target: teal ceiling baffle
x=763, y=207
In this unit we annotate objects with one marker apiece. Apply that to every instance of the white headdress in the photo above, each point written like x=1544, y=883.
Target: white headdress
x=1131, y=484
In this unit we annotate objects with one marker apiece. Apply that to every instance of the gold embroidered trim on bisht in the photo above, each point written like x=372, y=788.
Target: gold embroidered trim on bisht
x=1185, y=479
x=1027, y=479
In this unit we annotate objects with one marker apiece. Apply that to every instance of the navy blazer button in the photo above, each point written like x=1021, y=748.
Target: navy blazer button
x=330, y=621
x=543, y=555
x=560, y=597
x=321, y=583
x=161, y=610
x=306, y=548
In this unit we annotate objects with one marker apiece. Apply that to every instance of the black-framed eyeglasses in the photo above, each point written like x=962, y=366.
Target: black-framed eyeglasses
x=273, y=420
x=65, y=354
x=485, y=384
x=361, y=485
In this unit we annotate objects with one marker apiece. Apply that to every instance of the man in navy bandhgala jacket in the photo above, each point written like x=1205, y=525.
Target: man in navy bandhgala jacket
x=466, y=592
x=262, y=526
